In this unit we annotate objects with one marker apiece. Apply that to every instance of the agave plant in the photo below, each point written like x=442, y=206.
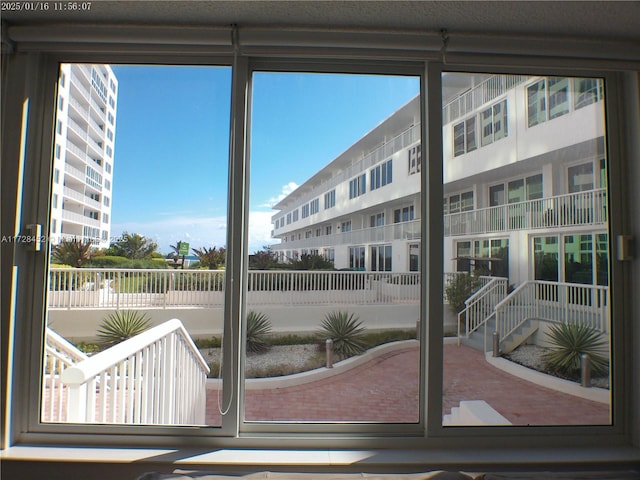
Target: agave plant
x=569, y=342
x=346, y=331
x=258, y=329
x=121, y=325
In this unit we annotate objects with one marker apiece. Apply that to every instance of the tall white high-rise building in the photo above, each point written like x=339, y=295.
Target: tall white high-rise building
x=84, y=154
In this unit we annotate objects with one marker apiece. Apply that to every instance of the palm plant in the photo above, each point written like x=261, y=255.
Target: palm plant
x=346, y=331
x=569, y=342
x=121, y=325
x=212, y=258
x=72, y=252
x=258, y=330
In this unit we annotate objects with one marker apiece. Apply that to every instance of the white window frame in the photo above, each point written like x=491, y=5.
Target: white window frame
x=25, y=428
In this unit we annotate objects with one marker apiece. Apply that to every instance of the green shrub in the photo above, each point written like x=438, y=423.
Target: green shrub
x=346, y=331
x=258, y=330
x=120, y=326
x=108, y=261
x=460, y=288
x=373, y=339
x=213, y=342
x=568, y=343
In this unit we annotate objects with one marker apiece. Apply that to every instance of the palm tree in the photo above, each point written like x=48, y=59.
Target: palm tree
x=72, y=252
x=134, y=246
x=212, y=258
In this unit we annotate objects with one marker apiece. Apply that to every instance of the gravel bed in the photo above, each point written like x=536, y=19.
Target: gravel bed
x=531, y=356
x=294, y=355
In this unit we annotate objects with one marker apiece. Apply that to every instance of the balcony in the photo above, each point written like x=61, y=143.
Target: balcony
x=570, y=210
x=383, y=234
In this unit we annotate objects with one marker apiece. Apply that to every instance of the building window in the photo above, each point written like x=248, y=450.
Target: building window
x=414, y=257
x=459, y=202
x=404, y=214
x=305, y=210
x=381, y=258
x=314, y=206
x=61, y=103
x=357, y=186
x=470, y=134
x=494, y=123
x=295, y=215
x=415, y=159
x=330, y=199
x=289, y=218
x=587, y=91
x=356, y=258
x=580, y=177
x=345, y=226
x=377, y=220
x=381, y=175
x=328, y=230
x=537, y=103
x=458, y=139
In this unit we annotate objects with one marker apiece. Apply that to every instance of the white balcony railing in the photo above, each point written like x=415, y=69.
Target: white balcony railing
x=574, y=209
x=383, y=234
x=157, y=377
x=482, y=93
x=79, y=218
x=554, y=302
x=71, y=288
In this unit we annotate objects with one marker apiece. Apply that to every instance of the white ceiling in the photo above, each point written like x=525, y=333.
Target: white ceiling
x=610, y=20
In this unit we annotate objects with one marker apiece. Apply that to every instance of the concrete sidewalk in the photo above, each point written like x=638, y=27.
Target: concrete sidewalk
x=385, y=389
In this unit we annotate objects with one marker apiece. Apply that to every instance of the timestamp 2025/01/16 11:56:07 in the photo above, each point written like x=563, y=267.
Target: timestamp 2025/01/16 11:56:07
x=45, y=6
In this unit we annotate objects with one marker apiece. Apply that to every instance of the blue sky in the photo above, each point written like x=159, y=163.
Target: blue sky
x=172, y=133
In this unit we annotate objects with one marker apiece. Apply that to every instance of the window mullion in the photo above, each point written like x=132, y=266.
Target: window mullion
x=237, y=223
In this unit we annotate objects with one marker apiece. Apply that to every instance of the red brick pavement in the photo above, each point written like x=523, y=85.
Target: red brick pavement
x=386, y=390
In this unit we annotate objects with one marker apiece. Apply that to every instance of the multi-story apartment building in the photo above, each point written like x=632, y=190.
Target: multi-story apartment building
x=524, y=181
x=84, y=154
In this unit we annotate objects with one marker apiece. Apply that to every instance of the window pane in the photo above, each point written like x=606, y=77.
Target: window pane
x=530, y=255
x=138, y=239
x=356, y=129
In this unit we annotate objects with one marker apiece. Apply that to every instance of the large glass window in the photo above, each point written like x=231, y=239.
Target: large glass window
x=509, y=280
x=312, y=297
x=153, y=251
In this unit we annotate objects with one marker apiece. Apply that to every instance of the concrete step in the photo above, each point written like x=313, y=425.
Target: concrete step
x=518, y=337
x=474, y=412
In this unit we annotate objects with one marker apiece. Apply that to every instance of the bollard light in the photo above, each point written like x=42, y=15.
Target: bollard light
x=496, y=344
x=585, y=370
x=329, y=349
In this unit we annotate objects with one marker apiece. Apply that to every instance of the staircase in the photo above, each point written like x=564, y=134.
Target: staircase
x=474, y=412
x=476, y=339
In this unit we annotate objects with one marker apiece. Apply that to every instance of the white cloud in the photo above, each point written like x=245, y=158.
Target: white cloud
x=285, y=190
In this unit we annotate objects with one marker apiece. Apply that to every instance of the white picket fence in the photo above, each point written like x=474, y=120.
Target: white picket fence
x=78, y=288
x=157, y=377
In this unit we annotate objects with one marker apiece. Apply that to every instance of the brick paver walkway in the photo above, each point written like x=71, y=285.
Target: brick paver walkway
x=386, y=390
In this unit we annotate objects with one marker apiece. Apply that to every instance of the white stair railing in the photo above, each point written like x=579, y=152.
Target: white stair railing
x=59, y=355
x=480, y=306
x=554, y=302
x=156, y=377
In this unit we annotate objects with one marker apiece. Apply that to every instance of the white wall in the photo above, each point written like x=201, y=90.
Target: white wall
x=82, y=325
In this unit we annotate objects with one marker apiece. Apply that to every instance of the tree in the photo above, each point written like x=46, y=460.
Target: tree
x=212, y=258
x=134, y=246
x=312, y=262
x=72, y=252
x=262, y=259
